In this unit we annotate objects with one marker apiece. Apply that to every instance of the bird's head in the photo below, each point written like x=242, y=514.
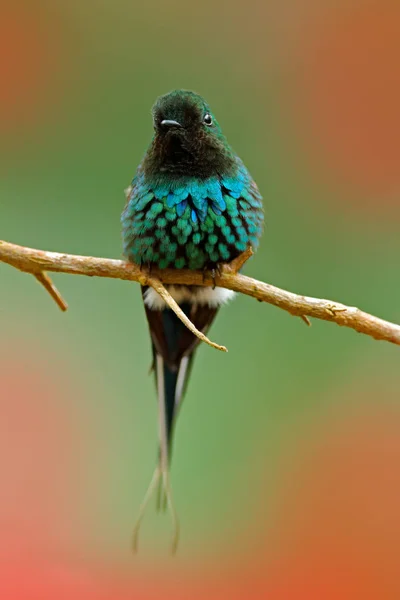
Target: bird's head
x=188, y=140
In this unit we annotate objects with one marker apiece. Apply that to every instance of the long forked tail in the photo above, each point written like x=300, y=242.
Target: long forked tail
x=170, y=387
x=173, y=347
x=171, y=383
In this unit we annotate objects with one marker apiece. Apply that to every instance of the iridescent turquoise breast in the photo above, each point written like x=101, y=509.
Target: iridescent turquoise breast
x=192, y=223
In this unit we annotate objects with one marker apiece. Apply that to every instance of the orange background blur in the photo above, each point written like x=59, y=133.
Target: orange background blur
x=286, y=467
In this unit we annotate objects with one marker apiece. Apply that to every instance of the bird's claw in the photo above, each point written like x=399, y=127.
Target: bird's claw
x=146, y=268
x=216, y=270
x=213, y=271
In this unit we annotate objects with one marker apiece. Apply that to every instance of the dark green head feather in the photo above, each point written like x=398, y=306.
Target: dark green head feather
x=188, y=140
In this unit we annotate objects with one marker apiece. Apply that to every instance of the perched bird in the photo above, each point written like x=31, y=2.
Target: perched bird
x=192, y=204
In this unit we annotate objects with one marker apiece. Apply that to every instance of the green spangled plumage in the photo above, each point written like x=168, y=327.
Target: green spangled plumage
x=192, y=204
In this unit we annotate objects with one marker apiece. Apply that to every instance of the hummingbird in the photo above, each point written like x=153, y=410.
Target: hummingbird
x=192, y=204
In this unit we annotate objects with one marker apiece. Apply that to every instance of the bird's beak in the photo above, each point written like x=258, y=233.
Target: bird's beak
x=168, y=123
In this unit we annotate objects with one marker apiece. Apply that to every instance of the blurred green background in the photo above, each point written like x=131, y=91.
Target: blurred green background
x=287, y=448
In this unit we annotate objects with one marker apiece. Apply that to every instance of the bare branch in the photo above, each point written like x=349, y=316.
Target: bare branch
x=48, y=285
x=36, y=261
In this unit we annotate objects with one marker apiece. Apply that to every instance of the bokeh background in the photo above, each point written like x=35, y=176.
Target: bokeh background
x=286, y=466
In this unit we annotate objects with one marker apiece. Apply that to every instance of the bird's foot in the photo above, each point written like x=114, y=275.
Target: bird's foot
x=216, y=270
x=213, y=271
x=146, y=267
x=146, y=271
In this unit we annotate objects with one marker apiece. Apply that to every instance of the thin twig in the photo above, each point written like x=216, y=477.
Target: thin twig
x=48, y=285
x=237, y=263
x=34, y=261
x=168, y=299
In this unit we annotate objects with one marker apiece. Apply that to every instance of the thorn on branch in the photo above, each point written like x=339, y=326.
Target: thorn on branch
x=48, y=284
x=306, y=320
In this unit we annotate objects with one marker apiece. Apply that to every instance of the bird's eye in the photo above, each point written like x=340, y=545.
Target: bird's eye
x=208, y=119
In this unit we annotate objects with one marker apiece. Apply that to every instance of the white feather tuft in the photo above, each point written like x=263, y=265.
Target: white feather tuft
x=203, y=296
